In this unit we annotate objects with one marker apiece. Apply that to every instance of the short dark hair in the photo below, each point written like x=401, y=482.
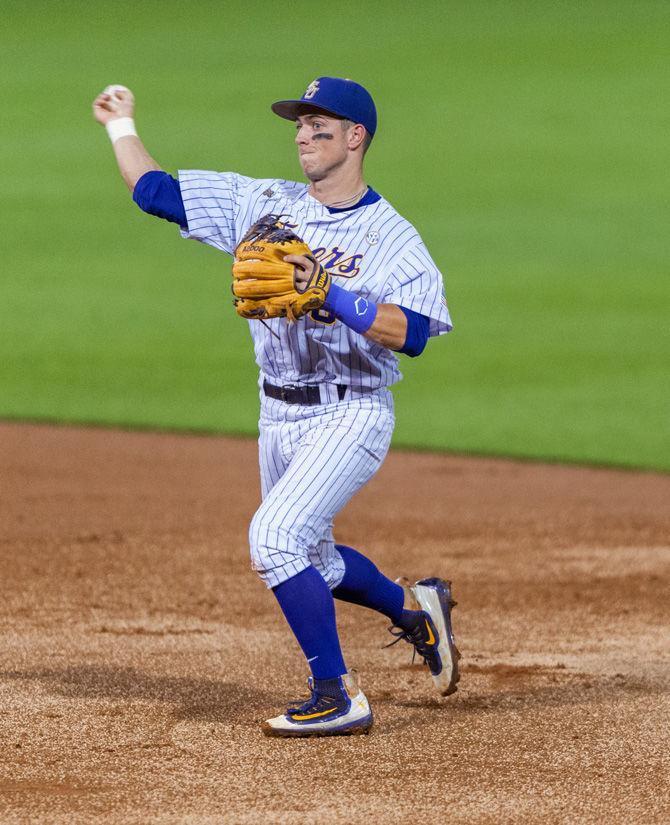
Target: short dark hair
x=367, y=140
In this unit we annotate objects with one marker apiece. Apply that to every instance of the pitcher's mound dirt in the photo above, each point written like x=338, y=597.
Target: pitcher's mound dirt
x=139, y=652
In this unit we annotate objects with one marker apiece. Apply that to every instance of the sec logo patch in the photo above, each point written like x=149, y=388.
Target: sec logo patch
x=372, y=237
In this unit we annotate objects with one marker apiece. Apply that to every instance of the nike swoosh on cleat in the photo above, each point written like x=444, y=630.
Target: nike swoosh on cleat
x=431, y=639
x=305, y=716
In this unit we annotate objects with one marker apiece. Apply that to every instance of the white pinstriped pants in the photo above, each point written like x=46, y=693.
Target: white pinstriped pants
x=312, y=461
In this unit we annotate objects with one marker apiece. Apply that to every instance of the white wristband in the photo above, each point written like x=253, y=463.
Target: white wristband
x=120, y=127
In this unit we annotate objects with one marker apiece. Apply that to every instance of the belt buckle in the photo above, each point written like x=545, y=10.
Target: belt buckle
x=285, y=391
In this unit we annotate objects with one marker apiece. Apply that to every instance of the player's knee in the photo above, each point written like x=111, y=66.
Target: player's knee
x=257, y=529
x=261, y=530
x=277, y=552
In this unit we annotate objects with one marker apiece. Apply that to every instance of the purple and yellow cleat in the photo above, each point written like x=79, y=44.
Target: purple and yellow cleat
x=431, y=632
x=340, y=710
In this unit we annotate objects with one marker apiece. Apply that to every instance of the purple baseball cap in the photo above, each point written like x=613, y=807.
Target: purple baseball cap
x=333, y=96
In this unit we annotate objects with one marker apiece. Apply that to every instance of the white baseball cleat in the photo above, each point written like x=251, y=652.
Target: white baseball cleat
x=345, y=712
x=431, y=632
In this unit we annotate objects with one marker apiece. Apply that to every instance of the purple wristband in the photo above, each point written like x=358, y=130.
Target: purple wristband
x=353, y=310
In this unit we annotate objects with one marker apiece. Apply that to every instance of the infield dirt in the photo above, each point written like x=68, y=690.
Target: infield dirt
x=139, y=652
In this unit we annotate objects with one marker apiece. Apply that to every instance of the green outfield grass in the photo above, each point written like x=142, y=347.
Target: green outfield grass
x=526, y=141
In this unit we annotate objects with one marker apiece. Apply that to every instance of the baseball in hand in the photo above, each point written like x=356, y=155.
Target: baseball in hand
x=116, y=94
x=114, y=101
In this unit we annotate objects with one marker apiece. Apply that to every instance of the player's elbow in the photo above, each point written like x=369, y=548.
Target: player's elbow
x=418, y=329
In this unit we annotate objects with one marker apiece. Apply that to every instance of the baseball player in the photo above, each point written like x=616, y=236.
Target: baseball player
x=334, y=283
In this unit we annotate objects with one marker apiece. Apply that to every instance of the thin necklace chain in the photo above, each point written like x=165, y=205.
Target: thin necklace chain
x=353, y=199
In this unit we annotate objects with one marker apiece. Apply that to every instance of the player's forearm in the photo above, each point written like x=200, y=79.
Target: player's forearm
x=385, y=324
x=133, y=159
x=389, y=329
x=114, y=108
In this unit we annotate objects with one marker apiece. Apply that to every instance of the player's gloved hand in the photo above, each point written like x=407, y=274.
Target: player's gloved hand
x=114, y=102
x=275, y=274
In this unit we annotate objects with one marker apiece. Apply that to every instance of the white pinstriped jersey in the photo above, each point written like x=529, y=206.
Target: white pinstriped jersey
x=370, y=250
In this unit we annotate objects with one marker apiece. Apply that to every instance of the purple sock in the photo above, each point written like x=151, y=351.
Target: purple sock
x=363, y=584
x=308, y=605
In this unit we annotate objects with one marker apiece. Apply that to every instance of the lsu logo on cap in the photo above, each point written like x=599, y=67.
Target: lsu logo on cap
x=311, y=90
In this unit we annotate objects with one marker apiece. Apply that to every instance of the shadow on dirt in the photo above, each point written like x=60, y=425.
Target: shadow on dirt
x=511, y=687
x=199, y=699
x=497, y=688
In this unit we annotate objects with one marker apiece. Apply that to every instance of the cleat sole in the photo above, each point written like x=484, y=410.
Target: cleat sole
x=442, y=597
x=360, y=727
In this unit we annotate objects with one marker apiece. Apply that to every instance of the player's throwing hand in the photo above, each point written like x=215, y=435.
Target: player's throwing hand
x=114, y=102
x=304, y=267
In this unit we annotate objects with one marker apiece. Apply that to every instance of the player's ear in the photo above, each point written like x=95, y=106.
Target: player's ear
x=356, y=136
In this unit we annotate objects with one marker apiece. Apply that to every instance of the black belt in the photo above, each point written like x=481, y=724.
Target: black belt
x=293, y=394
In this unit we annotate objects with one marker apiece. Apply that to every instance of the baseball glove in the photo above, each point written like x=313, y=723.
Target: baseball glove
x=264, y=284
